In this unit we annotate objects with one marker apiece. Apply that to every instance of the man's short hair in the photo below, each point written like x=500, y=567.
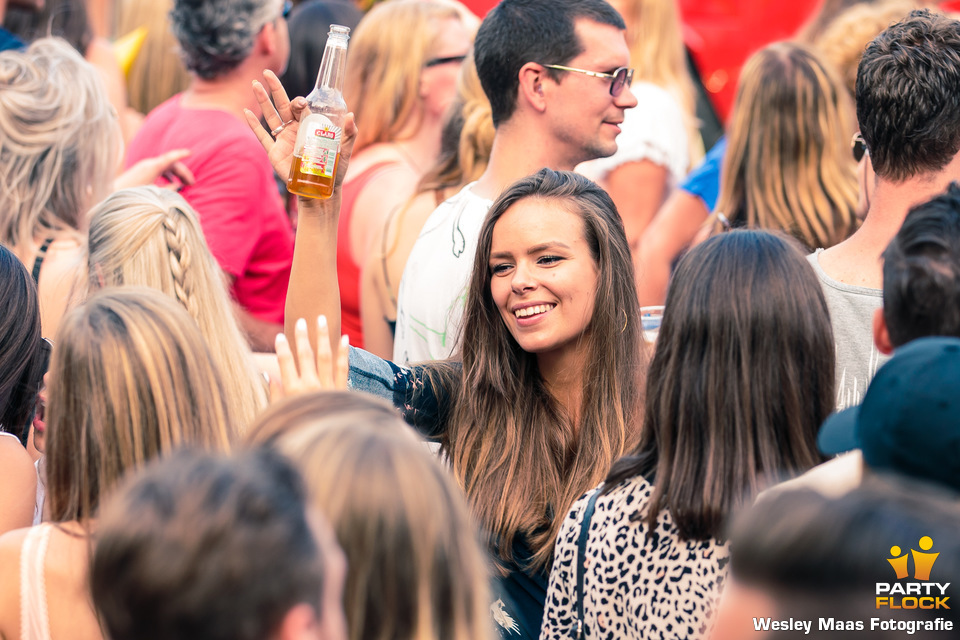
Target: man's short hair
x=921, y=272
x=205, y=548
x=908, y=96
x=215, y=36
x=516, y=32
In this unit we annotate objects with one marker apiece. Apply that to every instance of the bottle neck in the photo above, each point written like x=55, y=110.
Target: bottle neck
x=334, y=65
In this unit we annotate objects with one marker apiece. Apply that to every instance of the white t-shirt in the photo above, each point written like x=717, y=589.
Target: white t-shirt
x=434, y=283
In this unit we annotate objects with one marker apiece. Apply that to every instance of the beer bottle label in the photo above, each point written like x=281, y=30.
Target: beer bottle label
x=320, y=146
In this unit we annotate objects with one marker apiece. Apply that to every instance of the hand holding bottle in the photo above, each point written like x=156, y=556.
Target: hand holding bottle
x=286, y=116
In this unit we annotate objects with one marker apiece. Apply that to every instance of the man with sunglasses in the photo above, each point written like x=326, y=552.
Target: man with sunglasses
x=243, y=217
x=557, y=76
x=908, y=107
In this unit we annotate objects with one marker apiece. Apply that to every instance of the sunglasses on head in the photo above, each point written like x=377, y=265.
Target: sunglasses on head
x=620, y=79
x=858, y=146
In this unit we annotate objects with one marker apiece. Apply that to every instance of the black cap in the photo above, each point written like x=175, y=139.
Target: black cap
x=909, y=421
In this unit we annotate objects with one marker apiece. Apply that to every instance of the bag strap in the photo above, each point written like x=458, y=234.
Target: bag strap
x=581, y=560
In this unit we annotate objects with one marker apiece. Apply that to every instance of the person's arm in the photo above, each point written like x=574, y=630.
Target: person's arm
x=377, y=335
x=313, y=290
x=671, y=231
x=639, y=190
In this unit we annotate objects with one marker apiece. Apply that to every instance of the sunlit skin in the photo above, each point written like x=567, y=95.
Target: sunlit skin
x=543, y=281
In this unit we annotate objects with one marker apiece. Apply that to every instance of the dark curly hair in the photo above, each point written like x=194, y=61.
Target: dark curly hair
x=215, y=36
x=908, y=96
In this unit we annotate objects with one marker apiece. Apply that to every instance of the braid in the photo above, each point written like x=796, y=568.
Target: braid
x=179, y=252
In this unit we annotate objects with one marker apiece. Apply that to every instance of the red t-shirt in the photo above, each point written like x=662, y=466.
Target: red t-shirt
x=235, y=196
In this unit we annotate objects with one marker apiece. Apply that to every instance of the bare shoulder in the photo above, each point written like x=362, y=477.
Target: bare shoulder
x=10, y=544
x=19, y=495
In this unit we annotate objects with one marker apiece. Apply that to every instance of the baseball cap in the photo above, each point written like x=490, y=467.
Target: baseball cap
x=909, y=420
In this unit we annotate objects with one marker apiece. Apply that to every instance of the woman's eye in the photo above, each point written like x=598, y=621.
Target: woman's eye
x=500, y=269
x=548, y=260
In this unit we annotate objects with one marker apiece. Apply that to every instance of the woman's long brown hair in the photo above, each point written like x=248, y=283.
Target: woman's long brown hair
x=521, y=459
x=742, y=378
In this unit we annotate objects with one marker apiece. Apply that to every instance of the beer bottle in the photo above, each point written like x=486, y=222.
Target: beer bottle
x=317, y=151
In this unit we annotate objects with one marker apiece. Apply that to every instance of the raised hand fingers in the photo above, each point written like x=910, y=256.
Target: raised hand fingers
x=343, y=363
x=289, y=378
x=308, y=365
x=324, y=356
x=280, y=99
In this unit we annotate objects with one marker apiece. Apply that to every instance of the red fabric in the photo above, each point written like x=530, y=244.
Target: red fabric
x=722, y=34
x=235, y=195
x=348, y=270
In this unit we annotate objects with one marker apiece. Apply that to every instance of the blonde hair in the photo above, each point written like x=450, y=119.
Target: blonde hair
x=844, y=39
x=157, y=73
x=387, y=52
x=416, y=566
x=151, y=237
x=657, y=53
x=59, y=140
x=130, y=379
x=788, y=165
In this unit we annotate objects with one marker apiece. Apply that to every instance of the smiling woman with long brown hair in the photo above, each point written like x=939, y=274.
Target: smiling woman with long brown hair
x=548, y=393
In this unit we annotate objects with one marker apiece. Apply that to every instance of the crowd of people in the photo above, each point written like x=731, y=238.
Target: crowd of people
x=430, y=406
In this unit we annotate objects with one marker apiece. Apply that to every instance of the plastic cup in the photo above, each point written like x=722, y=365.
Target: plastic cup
x=650, y=319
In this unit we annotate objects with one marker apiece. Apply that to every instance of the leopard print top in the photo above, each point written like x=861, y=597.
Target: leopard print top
x=635, y=586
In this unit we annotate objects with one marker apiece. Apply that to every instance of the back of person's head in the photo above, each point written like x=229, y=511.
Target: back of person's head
x=65, y=19
x=921, y=272
x=818, y=557
x=59, y=140
x=197, y=547
x=416, y=567
x=308, y=21
x=843, y=40
x=147, y=236
x=215, y=36
x=908, y=96
x=516, y=32
x=22, y=352
x=130, y=379
x=788, y=166
x=466, y=138
x=655, y=38
x=744, y=366
x=388, y=52
x=156, y=73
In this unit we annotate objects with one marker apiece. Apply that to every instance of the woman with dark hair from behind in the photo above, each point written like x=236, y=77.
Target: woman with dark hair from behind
x=22, y=353
x=740, y=381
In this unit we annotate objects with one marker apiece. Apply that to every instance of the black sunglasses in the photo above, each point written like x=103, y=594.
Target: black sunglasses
x=858, y=146
x=436, y=62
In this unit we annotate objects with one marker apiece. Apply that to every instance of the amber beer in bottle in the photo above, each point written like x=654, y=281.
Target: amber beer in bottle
x=317, y=151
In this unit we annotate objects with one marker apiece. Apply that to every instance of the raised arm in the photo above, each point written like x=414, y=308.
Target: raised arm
x=313, y=289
